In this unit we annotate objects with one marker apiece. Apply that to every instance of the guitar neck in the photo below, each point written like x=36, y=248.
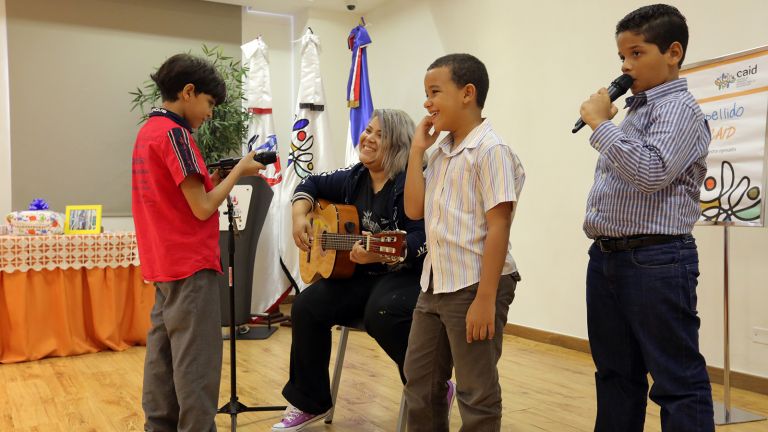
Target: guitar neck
x=343, y=242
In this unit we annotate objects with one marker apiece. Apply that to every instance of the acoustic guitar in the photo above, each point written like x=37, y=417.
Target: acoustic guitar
x=335, y=231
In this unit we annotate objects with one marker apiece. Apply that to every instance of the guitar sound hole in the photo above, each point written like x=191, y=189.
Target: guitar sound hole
x=350, y=227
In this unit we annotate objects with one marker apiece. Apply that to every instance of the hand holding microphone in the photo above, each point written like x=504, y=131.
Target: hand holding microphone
x=264, y=158
x=599, y=107
x=252, y=163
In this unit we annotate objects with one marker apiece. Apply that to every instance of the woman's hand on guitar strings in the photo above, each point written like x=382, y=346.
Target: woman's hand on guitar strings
x=302, y=233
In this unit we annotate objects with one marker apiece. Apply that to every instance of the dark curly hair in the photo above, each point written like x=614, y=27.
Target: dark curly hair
x=183, y=69
x=659, y=24
x=466, y=69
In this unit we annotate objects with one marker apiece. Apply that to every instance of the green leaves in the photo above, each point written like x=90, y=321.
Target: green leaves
x=223, y=134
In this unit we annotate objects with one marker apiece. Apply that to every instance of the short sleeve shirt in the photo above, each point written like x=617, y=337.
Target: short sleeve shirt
x=173, y=243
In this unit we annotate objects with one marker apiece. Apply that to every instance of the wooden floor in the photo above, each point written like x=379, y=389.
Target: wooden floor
x=546, y=388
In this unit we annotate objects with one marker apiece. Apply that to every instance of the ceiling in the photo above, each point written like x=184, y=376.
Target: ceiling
x=294, y=6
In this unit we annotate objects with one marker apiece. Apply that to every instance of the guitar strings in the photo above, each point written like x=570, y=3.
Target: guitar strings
x=346, y=242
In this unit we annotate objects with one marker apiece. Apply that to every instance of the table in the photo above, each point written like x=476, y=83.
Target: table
x=65, y=295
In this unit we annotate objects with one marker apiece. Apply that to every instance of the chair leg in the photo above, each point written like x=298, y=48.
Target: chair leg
x=402, y=418
x=337, y=371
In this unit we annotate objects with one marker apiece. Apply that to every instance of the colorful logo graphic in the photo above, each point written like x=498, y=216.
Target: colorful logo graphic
x=740, y=78
x=724, y=81
x=730, y=199
x=300, y=157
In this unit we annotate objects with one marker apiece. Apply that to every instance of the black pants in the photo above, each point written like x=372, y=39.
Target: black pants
x=384, y=303
x=641, y=316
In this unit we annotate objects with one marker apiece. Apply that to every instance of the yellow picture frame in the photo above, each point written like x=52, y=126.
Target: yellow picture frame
x=82, y=219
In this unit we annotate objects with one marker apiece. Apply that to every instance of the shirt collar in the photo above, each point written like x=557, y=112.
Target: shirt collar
x=162, y=112
x=472, y=140
x=657, y=93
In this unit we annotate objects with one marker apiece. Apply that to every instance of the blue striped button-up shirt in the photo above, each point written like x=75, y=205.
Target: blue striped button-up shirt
x=464, y=181
x=651, y=166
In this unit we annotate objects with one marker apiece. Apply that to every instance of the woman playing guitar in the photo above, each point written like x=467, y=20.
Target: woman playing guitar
x=382, y=291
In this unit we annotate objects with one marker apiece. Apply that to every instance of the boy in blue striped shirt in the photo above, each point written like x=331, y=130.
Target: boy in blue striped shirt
x=643, y=266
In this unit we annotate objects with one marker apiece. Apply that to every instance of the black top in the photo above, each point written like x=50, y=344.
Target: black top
x=373, y=208
x=382, y=211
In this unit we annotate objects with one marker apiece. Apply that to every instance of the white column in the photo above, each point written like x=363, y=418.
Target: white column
x=5, y=118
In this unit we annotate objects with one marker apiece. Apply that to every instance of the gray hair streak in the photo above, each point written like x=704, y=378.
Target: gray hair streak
x=396, y=135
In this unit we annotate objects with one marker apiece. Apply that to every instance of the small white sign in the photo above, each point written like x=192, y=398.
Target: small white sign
x=241, y=201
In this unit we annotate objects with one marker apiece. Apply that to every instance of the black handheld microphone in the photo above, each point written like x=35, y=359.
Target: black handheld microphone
x=618, y=87
x=264, y=158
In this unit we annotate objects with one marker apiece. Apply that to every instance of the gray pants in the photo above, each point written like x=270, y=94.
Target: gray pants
x=182, y=367
x=437, y=343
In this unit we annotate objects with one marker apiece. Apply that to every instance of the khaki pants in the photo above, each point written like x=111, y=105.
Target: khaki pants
x=182, y=366
x=438, y=343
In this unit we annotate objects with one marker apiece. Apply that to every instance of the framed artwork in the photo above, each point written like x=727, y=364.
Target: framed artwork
x=82, y=219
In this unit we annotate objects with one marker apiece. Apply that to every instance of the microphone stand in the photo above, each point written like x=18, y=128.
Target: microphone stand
x=725, y=414
x=234, y=407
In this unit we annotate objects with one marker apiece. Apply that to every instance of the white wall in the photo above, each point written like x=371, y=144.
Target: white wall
x=5, y=120
x=543, y=60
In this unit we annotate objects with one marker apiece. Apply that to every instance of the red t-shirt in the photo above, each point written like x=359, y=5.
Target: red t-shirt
x=173, y=243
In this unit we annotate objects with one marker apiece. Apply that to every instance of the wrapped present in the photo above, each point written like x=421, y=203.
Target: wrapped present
x=35, y=222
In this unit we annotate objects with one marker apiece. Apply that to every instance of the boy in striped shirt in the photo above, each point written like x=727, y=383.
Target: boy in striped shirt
x=467, y=196
x=643, y=266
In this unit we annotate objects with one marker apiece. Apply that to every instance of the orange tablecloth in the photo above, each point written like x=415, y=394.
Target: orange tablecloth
x=61, y=310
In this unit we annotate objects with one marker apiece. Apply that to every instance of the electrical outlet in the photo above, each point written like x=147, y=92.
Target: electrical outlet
x=760, y=335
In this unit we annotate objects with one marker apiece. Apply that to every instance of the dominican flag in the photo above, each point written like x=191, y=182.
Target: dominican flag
x=270, y=283
x=310, y=150
x=358, y=91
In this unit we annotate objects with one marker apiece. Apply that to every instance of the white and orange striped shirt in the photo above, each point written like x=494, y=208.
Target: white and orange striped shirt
x=461, y=185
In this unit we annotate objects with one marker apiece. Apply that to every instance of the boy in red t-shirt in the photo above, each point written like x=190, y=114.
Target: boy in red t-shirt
x=175, y=208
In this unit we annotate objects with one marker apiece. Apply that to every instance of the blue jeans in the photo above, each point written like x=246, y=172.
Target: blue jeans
x=641, y=315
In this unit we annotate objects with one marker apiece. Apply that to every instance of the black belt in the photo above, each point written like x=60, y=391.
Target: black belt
x=614, y=244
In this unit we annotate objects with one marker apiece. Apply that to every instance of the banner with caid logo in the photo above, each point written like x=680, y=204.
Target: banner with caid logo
x=733, y=94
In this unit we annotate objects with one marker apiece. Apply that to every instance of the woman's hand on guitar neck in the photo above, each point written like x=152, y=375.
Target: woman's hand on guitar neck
x=359, y=255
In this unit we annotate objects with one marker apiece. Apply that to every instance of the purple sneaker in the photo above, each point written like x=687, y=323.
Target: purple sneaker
x=451, y=396
x=295, y=419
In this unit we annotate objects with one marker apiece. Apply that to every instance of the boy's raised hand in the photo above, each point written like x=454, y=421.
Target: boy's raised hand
x=597, y=109
x=422, y=139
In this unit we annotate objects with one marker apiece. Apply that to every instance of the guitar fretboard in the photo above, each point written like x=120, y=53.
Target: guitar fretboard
x=345, y=242
x=335, y=241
